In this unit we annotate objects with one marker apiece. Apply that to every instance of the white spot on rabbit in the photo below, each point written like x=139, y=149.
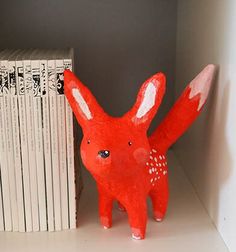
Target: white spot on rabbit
x=82, y=103
x=135, y=237
x=148, y=100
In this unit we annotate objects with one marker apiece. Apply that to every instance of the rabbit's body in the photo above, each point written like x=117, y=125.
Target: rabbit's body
x=126, y=164
x=132, y=191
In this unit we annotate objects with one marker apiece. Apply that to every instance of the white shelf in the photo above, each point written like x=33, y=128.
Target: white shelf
x=187, y=226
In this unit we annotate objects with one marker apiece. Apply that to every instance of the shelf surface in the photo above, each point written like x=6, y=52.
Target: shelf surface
x=187, y=226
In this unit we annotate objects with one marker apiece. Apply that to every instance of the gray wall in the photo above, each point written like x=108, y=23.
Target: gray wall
x=118, y=44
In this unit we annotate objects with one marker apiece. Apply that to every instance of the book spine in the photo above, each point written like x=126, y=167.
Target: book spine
x=16, y=144
x=62, y=142
x=38, y=133
x=1, y=205
x=70, y=156
x=24, y=146
x=32, y=217
x=9, y=144
x=2, y=155
x=52, y=92
x=47, y=143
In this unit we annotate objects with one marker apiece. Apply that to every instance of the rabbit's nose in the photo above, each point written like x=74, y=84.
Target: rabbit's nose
x=104, y=153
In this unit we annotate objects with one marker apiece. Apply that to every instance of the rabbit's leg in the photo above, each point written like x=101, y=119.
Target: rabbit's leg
x=105, y=208
x=137, y=214
x=159, y=196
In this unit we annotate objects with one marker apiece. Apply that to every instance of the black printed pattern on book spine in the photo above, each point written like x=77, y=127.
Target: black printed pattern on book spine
x=43, y=75
x=21, y=85
x=12, y=80
x=1, y=86
x=67, y=65
x=5, y=86
x=28, y=79
x=36, y=85
x=60, y=83
x=51, y=80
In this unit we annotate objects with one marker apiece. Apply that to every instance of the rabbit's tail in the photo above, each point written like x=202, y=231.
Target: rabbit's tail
x=184, y=112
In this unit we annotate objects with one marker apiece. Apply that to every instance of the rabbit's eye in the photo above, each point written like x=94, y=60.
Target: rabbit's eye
x=129, y=143
x=88, y=142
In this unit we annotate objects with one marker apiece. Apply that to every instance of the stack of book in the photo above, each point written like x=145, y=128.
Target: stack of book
x=37, y=165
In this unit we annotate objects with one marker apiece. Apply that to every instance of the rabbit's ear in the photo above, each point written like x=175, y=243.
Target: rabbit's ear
x=82, y=102
x=148, y=100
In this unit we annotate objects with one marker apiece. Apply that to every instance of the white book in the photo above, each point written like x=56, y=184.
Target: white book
x=9, y=141
x=52, y=92
x=1, y=205
x=32, y=218
x=3, y=159
x=38, y=136
x=20, y=226
x=70, y=151
x=27, y=225
x=47, y=141
x=62, y=142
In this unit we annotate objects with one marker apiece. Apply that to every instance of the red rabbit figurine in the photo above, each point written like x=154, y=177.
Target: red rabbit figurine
x=128, y=165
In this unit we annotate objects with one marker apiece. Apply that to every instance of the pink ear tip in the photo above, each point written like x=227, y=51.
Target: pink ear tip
x=201, y=84
x=207, y=74
x=211, y=66
x=210, y=69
